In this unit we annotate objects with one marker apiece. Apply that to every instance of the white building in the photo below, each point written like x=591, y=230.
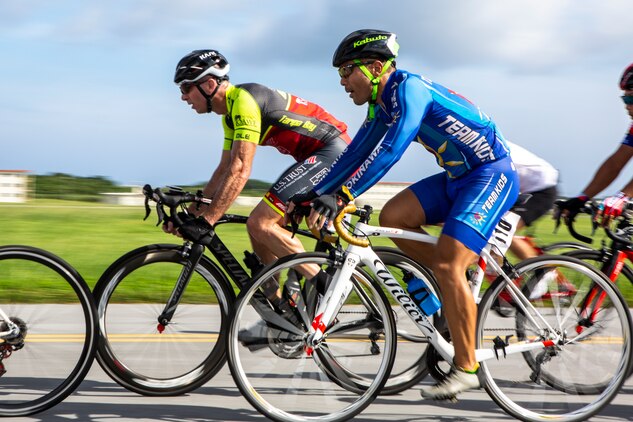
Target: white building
x=376, y=196
x=380, y=193
x=14, y=185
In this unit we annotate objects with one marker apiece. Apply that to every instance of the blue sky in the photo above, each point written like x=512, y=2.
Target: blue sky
x=86, y=87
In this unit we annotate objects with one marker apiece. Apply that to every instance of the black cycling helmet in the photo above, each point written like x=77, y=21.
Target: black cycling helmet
x=626, y=82
x=200, y=63
x=366, y=44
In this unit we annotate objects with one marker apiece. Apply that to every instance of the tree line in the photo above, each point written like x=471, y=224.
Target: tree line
x=75, y=188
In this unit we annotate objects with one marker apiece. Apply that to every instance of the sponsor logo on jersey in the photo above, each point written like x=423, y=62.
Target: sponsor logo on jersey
x=307, y=125
x=310, y=160
x=275, y=202
x=469, y=137
x=363, y=168
x=289, y=178
x=478, y=219
x=244, y=120
x=495, y=194
x=319, y=176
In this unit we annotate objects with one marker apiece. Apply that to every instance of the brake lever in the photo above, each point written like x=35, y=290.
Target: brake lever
x=160, y=212
x=148, y=209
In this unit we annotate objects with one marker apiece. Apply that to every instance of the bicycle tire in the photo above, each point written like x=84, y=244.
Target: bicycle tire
x=52, y=305
x=297, y=387
x=133, y=351
x=595, y=258
x=557, y=247
x=576, y=377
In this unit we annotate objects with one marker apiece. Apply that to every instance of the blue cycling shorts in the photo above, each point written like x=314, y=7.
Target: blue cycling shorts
x=470, y=206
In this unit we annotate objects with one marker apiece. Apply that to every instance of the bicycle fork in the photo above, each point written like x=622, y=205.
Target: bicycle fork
x=192, y=252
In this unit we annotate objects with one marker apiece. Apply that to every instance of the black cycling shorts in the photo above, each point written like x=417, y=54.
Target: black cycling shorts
x=537, y=205
x=303, y=176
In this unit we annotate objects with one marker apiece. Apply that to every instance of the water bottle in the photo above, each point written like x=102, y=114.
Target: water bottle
x=426, y=300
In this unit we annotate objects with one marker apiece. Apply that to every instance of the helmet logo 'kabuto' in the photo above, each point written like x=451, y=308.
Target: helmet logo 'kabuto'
x=366, y=44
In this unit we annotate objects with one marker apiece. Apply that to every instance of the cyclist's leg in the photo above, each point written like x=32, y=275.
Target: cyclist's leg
x=476, y=202
x=404, y=211
x=539, y=203
x=269, y=239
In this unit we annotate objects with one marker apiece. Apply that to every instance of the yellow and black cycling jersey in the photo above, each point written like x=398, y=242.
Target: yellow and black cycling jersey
x=271, y=117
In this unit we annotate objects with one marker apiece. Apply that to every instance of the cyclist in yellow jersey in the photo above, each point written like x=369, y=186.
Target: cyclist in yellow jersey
x=256, y=115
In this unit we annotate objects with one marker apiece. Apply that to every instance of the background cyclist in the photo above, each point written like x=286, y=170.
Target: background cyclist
x=610, y=169
x=478, y=184
x=538, y=178
x=256, y=115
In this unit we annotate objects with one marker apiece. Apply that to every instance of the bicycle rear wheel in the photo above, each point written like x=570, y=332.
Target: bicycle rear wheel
x=48, y=342
x=135, y=350
x=269, y=354
x=587, y=363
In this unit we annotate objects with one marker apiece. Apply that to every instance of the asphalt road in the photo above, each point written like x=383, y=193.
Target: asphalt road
x=100, y=399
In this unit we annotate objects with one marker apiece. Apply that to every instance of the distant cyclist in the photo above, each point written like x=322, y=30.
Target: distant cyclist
x=479, y=182
x=610, y=169
x=255, y=115
x=539, y=179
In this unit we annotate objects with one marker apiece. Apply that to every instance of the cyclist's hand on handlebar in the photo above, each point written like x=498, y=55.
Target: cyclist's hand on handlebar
x=195, y=228
x=169, y=226
x=572, y=206
x=613, y=206
x=297, y=207
x=327, y=207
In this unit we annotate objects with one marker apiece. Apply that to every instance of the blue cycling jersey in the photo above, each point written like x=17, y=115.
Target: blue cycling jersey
x=628, y=139
x=456, y=131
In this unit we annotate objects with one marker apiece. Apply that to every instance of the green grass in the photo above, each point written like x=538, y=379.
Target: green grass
x=91, y=236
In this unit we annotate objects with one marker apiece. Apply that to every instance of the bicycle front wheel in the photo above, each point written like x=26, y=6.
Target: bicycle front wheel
x=585, y=326
x=48, y=329
x=148, y=357
x=287, y=378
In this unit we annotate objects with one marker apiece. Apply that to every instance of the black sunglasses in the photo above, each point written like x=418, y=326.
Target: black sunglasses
x=185, y=87
x=345, y=71
x=628, y=99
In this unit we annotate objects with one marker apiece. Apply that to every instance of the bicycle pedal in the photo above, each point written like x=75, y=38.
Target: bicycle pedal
x=451, y=400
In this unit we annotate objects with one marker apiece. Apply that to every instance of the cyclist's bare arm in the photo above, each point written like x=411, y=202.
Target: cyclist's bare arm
x=229, y=184
x=609, y=170
x=214, y=182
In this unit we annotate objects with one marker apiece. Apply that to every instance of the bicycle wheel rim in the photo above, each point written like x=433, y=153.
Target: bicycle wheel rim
x=57, y=314
x=140, y=354
x=579, y=375
x=297, y=386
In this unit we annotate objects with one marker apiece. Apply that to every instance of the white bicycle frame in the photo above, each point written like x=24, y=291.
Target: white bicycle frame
x=12, y=327
x=342, y=286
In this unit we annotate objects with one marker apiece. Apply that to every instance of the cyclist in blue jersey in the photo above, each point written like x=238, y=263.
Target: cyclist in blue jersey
x=478, y=185
x=610, y=169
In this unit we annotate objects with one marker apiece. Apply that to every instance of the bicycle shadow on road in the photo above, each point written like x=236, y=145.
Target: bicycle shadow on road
x=105, y=401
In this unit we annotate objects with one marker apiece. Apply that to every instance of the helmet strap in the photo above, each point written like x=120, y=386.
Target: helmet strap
x=207, y=96
x=374, y=84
